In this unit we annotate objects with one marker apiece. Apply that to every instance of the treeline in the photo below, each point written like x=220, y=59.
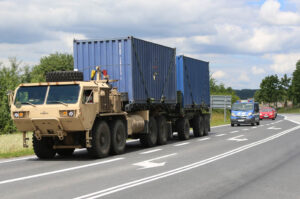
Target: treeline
x=245, y=93
x=220, y=89
x=274, y=89
x=13, y=74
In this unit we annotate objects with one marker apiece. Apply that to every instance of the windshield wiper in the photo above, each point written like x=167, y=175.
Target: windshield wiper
x=60, y=102
x=28, y=103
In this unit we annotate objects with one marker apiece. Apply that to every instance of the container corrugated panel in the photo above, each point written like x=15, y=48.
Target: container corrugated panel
x=143, y=69
x=193, y=81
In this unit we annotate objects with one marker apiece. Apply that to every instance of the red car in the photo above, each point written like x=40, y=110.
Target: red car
x=267, y=113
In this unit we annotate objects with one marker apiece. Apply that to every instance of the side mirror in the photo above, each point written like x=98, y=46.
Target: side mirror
x=10, y=95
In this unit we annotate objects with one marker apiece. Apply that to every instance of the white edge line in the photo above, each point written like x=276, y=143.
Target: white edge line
x=181, y=144
x=141, y=181
x=219, y=135
x=58, y=171
x=17, y=159
x=151, y=151
x=219, y=126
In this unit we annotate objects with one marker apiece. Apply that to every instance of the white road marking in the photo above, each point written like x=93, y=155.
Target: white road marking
x=261, y=125
x=245, y=129
x=203, y=139
x=219, y=135
x=59, y=171
x=273, y=128
x=188, y=167
x=234, y=132
x=17, y=159
x=254, y=127
x=237, y=138
x=149, y=164
x=151, y=151
x=134, y=140
x=219, y=126
x=181, y=144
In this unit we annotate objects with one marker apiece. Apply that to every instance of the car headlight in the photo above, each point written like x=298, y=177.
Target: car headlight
x=69, y=113
x=249, y=114
x=19, y=114
x=234, y=115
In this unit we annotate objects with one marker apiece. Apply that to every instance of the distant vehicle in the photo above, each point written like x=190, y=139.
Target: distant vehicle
x=267, y=113
x=245, y=112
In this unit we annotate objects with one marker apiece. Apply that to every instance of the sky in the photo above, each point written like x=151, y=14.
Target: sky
x=244, y=40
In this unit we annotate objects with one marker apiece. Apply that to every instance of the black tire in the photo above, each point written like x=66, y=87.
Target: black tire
x=65, y=152
x=183, y=127
x=273, y=118
x=258, y=123
x=198, y=129
x=64, y=76
x=232, y=124
x=100, y=140
x=252, y=124
x=43, y=148
x=162, y=130
x=118, y=137
x=150, y=139
x=206, y=124
x=239, y=124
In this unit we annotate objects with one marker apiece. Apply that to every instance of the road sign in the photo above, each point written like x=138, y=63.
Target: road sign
x=220, y=101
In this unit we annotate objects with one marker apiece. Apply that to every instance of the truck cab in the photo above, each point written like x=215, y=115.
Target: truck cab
x=245, y=112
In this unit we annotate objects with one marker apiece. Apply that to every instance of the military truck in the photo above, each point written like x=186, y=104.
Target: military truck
x=146, y=99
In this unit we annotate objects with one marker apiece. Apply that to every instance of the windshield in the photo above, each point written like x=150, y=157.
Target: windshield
x=63, y=94
x=31, y=95
x=266, y=110
x=242, y=107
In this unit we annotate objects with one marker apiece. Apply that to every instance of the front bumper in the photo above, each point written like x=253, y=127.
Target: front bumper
x=244, y=120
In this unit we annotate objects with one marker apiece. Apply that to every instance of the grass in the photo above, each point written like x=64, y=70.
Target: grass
x=289, y=110
x=217, y=118
x=12, y=144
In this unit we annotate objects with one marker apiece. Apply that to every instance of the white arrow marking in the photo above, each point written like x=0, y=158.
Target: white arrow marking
x=236, y=138
x=273, y=128
x=149, y=164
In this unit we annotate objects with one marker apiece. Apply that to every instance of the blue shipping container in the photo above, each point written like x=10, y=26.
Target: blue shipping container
x=143, y=69
x=193, y=81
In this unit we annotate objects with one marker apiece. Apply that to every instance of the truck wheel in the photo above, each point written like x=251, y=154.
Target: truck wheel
x=118, y=137
x=65, y=152
x=198, y=126
x=43, y=148
x=206, y=124
x=183, y=127
x=100, y=140
x=162, y=130
x=65, y=76
x=150, y=139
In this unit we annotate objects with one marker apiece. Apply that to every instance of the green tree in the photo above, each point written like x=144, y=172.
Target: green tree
x=295, y=87
x=284, y=87
x=52, y=62
x=9, y=79
x=219, y=89
x=269, y=90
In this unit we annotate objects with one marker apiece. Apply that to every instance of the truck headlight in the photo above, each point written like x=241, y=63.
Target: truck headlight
x=70, y=113
x=19, y=114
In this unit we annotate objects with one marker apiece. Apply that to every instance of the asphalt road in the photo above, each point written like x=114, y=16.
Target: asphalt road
x=232, y=162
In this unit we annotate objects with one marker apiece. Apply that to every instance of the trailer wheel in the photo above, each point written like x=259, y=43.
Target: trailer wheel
x=100, y=140
x=198, y=126
x=65, y=152
x=206, y=124
x=150, y=139
x=183, y=127
x=162, y=130
x=118, y=137
x=65, y=76
x=43, y=148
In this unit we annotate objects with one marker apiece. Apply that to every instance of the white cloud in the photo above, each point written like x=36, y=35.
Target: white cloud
x=283, y=63
x=271, y=13
x=219, y=74
x=244, y=77
x=257, y=70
